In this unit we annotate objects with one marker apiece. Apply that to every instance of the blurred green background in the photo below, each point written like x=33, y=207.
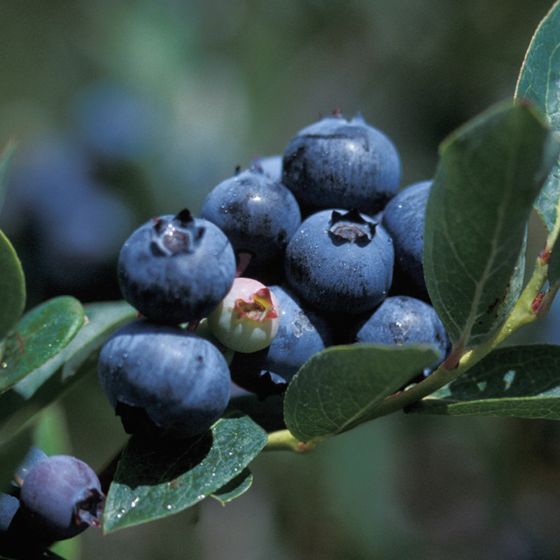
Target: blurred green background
x=144, y=107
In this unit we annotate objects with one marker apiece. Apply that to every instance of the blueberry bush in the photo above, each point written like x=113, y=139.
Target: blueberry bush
x=351, y=338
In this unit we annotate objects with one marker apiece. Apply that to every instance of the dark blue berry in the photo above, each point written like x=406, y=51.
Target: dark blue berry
x=340, y=262
x=404, y=219
x=258, y=215
x=336, y=163
x=301, y=334
x=176, y=269
x=164, y=380
x=61, y=497
x=405, y=320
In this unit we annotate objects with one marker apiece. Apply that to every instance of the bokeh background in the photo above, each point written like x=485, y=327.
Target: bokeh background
x=124, y=110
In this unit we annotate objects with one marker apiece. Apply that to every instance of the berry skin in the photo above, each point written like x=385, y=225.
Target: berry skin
x=164, y=380
x=336, y=163
x=405, y=320
x=340, y=262
x=258, y=215
x=271, y=166
x=404, y=219
x=61, y=497
x=301, y=334
x=247, y=319
x=176, y=269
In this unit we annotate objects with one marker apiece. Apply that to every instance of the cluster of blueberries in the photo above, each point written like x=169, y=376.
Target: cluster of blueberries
x=296, y=253
x=51, y=499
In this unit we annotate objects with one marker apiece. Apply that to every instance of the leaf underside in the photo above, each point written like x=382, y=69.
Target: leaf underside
x=518, y=381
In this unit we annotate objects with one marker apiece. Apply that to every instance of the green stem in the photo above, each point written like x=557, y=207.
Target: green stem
x=533, y=303
x=523, y=312
x=283, y=440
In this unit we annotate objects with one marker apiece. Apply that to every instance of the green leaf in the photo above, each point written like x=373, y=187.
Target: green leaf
x=490, y=172
x=539, y=82
x=234, y=488
x=5, y=160
x=342, y=386
x=157, y=479
x=39, y=336
x=12, y=287
x=520, y=381
x=48, y=382
x=101, y=320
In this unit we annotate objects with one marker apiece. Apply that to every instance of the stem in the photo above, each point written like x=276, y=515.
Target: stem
x=283, y=440
x=524, y=312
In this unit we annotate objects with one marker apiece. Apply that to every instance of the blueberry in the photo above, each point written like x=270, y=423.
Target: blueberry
x=336, y=163
x=404, y=219
x=247, y=318
x=271, y=166
x=301, y=334
x=405, y=320
x=176, y=269
x=258, y=215
x=61, y=497
x=164, y=380
x=340, y=262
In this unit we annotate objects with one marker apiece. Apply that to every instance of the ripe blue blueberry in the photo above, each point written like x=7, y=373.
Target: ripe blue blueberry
x=164, y=380
x=301, y=334
x=340, y=262
x=404, y=218
x=405, y=320
x=258, y=215
x=61, y=497
x=176, y=269
x=336, y=163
